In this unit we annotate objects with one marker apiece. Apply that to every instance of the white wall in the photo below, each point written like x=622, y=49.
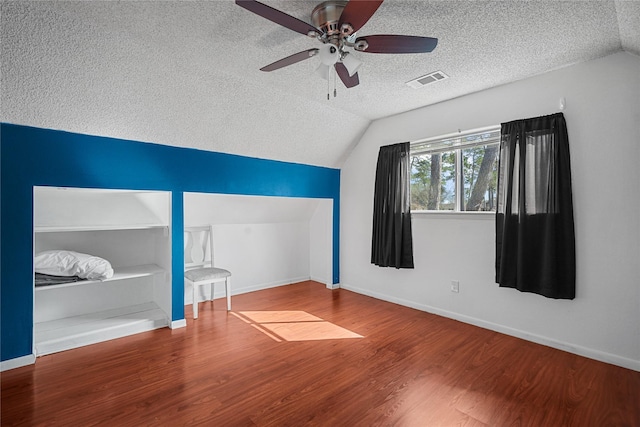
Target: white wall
x=263, y=241
x=603, y=120
x=321, y=243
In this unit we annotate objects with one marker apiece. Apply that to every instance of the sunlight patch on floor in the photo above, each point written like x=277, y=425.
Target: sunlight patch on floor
x=294, y=326
x=280, y=316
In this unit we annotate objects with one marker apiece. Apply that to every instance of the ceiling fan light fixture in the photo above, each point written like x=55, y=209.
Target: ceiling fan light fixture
x=329, y=54
x=352, y=63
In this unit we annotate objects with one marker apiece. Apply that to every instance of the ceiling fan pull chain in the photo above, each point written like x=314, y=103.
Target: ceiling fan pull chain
x=329, y=85
x=335, y=85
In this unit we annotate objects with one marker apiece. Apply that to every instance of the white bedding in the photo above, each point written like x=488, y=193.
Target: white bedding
x=69, y=263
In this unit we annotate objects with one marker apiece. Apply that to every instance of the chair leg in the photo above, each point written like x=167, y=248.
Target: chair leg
x=212, y=289
x=195, y=302
x=227, y=285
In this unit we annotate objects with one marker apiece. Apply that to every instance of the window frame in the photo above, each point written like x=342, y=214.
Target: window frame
x=421, y=147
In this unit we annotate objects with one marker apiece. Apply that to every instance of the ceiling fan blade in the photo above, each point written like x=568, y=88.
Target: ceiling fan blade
x=296, y=57
x=278, y=17
x=357, y=12
x=343, y=73
x=384, y=43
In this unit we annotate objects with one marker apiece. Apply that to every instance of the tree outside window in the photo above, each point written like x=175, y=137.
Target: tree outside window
x=455, y=174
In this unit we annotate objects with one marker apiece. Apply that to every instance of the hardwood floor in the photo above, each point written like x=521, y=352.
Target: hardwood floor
x=408, y=368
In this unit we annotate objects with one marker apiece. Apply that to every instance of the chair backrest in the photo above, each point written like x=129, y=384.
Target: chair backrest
x=198, y=246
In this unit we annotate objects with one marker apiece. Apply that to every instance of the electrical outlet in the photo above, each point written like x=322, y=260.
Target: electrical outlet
x=455, y=286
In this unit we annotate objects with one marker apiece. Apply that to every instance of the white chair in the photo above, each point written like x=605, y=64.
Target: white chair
x=199, y=266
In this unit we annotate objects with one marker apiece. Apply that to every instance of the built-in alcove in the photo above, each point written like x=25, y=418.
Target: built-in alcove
x=131, y=230
x=265, y=241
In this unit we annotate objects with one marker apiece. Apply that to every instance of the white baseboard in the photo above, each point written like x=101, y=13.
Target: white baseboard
x=177, y=324
x=268, y=285
x=319, y=280
x=219, y=292
x=325, y=282
x=549, y=342
x=18, y=362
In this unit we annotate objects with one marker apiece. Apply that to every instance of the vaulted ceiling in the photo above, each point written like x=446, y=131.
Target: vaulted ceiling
x=186, y=73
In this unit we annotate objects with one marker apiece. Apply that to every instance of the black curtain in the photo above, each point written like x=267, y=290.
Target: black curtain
x=535, y=241
x=391, y=244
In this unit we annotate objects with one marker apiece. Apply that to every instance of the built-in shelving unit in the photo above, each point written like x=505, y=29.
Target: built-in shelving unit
x=130, y=229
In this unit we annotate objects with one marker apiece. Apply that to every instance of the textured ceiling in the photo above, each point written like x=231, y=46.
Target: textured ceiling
x=187, y=73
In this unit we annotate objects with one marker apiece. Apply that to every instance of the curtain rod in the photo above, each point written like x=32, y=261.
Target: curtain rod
x=458, y=133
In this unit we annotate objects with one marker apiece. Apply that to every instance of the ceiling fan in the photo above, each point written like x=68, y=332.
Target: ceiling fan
x=335, y=23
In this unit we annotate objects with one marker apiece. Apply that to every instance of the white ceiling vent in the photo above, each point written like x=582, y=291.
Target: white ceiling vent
x=436, y=76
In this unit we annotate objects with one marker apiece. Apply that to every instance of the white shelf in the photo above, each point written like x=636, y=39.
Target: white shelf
x=93, y=227
x=121, y=273
x=71, y=332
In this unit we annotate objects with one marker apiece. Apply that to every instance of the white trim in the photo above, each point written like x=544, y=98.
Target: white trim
x=177, y=324
x=92, y=189
x=18, y=362
x=333, y=286
x=539, y=339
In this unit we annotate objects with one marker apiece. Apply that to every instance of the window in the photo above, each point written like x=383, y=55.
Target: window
x=456, y=172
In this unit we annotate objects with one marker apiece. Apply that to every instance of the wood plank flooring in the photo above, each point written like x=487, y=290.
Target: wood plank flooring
x=409, y=368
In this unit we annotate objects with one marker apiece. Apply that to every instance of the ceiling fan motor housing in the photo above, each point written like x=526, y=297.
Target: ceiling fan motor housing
x=326, y=16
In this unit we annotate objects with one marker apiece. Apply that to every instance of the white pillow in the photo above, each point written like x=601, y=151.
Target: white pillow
x=69, y=263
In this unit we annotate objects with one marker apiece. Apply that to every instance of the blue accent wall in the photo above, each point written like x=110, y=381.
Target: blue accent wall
x=42, y=157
